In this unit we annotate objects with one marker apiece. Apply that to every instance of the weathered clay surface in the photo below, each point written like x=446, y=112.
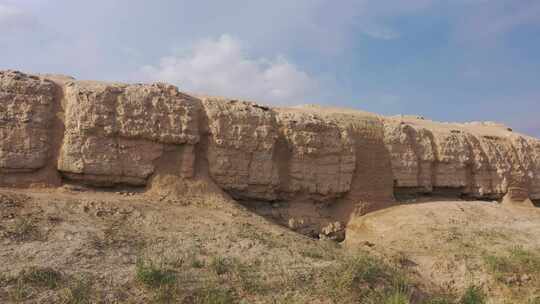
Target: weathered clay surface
x=242, y=140
x=273, y=154
x=26, y=115
x=115, y=132
x=319, y=154
x=477, y=159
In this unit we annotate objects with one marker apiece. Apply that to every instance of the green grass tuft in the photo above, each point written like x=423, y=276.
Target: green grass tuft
x=215, y=295
x=473, y=295
x=220, y=265
x=509, y=268
x=153, y=276
x=79, y=291
x=43, y=277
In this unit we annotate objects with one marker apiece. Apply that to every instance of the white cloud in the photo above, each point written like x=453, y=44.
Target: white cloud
x=221, y=67
x=379, y=32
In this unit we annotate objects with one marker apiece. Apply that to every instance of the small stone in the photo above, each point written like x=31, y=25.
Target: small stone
x=368, y=244
x=295, y=223
x=334, y=231
x=525, y=278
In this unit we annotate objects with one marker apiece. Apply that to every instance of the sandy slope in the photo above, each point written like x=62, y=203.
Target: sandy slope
x=445, y=242
x=101, y=234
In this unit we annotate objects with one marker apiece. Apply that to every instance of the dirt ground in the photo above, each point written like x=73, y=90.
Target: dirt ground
x=446, y=242
x=94, y=242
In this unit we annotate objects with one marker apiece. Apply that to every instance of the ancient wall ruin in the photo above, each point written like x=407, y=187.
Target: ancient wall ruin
x=109, y=134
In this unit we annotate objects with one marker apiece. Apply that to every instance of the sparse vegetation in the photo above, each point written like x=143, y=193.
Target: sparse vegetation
x=154, y=276
x=315, y=254
x=4, y=279
x=215, y=295
x=247, y=231
x=220, y=265
x=366, y=278
x=320, y=250
x=194, y=256
x=30, y=280
x=196, y=263
x=19, y=292
x=519, y=266
x=165, y=294
x=517, y=273
x=473, y=295
x=439, y=300
x=79, y=290
x=24, y=229
x=397, y=297
x=158, y=279
x=535, y=300
x=43, y=277
x=249, y=277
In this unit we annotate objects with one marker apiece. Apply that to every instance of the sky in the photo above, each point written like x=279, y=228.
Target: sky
x=446, y=60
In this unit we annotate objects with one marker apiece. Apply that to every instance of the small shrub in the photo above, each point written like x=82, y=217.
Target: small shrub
x=249, y=278
x=220, y=265
x=265, y=238
x=44, y=277
x=165, y=294
x=4, y=279
x=24, y=230
x=399, y=292
x=79, y=291
x=153, y=276
x=358, y=276
x=525, y=259
x=321, y=250
x=215, y=295
x=313, y=254
x=196, y=263
x=397, y=297
x=20, y=291
x=368, y=269
x=535, y=300
x=439, y=300
x=473, y=295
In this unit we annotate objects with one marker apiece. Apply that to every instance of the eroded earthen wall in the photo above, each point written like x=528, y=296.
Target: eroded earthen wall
x=26, y=115
x=113, y=134
x=476, y=160
x=28, y=138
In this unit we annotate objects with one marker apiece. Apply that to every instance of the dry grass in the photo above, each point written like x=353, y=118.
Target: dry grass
x=42, y=277
x=517, y=272
x=78, y=291
x=190, y=254
x=24, y=230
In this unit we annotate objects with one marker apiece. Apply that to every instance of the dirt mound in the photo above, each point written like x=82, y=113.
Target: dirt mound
x=450, y=243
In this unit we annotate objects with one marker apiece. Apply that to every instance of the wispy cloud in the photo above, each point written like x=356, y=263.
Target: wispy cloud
x=486, y=21
x=378, y=31
x=221, y=67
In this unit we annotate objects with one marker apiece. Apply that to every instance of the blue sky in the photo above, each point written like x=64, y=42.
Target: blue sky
x=457, y=60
